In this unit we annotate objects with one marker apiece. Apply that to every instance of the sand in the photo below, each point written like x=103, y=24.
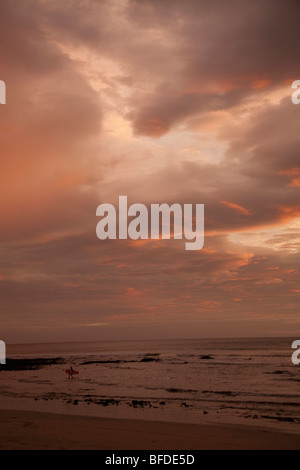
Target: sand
x=37, y=430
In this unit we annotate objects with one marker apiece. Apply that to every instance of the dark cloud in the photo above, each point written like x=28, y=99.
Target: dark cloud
x=77, y=281
x=225, y=54
x=80, y=77
x=51, y=115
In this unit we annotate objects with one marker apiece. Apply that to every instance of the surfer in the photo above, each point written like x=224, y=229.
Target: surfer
x=71, y=372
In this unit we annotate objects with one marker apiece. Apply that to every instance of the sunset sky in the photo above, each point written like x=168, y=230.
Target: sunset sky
x=163, y=101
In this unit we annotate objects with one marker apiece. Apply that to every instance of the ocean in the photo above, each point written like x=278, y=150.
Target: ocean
x=239, y=381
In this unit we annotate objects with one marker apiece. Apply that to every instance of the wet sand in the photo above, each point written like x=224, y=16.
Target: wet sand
x=37, y=430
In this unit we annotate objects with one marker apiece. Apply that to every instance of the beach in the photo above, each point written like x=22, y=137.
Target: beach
x=49, y=431
x=187, y=394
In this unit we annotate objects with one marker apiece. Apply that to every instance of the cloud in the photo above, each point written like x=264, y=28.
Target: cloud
x=220, y=63
x=236, y=207
x=78, y=280
x=51, y=116
x=188, y=103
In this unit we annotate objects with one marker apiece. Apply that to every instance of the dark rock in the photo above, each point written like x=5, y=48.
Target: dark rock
x=106, y=402
x=30, y=364
x=149, y=359
x=117, y=361
x=283, y=418
x=141, y=403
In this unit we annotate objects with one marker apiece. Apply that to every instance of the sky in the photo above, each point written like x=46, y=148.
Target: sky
x=162, y=101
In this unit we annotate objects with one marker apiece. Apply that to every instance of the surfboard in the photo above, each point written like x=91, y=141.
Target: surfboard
x=71, y=372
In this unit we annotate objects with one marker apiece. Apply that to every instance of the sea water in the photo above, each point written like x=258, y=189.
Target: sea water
x=238, y=381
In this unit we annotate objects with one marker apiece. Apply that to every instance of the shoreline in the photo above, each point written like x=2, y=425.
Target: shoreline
x=37, y=430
